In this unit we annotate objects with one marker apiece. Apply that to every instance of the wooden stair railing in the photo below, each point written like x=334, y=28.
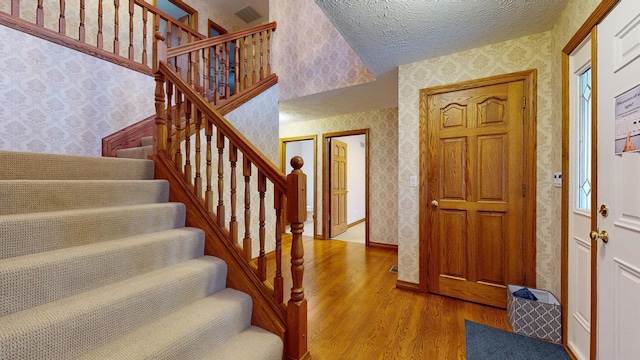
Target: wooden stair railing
x=224, y=67
x=195, y=141
x=119, y=31
x=250, y=76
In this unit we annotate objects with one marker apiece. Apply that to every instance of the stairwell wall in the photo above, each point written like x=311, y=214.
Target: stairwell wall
x=309, y=55
x=57, y=100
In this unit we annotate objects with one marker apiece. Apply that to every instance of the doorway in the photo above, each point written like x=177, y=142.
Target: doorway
x=477, y=187
x=305, y=147
x=345, y=193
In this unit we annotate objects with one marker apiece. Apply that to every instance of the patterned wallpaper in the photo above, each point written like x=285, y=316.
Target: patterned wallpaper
x=310, y=56
x=383, y=152
x=540, y=51
x=58, y=100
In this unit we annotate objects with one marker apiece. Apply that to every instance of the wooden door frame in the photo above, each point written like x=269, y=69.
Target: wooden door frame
x=326, y=188
x=188, y=9
x=588, y=28
x=213, y=25
x=283, y=167
x=529, y=78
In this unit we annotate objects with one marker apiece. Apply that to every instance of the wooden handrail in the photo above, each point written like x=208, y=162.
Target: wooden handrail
x=221, y=39
x=256, y=157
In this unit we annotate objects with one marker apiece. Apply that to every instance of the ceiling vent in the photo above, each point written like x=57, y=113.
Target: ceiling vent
x=248, y=14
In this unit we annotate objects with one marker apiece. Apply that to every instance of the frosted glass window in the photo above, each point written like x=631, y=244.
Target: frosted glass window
x=584, y=142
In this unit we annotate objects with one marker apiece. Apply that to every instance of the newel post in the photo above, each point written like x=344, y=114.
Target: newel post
x=159, y=53
x=297, y=305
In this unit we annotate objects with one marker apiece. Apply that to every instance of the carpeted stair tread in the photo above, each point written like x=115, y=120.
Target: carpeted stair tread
x=35, y=166
x=146, y=140
x=24, y=234
x=30, y=196
x=72, y=326
x=140, y=152
x=28, y=281
x=253, y=343
x=189, y=333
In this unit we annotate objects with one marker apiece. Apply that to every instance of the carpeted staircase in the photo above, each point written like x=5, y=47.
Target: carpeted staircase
x=96, y=264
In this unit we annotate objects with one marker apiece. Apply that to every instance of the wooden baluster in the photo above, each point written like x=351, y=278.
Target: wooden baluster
x=261, y=67
x=278, y=281
x=297, y=304
x=170, y=112
x=15, y=8
x=227, y=87
x=220, y=208
x=81, y=28
x=131, y=9
x=208, y=195
x=144, y=35
x=246, y=242
x=237, y=67
x=40, y=14
x=193, y=80
x=206, y=84
x=253, y=59
x=198, y=180
x=177, y=140
x=189, y=71
x=62, y=22
x=233, y=223
x=195, y=65
x=179, y=35
x=158, y=35
x=116, y=27
x=246, y=62
x=262, y=258
x=187, y=142
x=216, y=74
x=161, y=126
x=269, y=52
x=99, y=40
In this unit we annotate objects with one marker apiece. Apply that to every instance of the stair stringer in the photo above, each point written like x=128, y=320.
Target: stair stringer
x=267, y=313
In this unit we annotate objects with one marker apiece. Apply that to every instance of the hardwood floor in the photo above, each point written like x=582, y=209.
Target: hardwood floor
x=355, y=311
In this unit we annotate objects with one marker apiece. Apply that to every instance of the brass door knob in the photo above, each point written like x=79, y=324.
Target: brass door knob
x=434, y=203
x=603, y=235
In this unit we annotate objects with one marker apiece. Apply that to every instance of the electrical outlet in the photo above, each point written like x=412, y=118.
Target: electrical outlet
x=413, y=181
x=557, y=179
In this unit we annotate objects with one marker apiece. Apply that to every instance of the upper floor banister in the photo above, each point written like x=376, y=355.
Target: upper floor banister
x=119, y=31
x=225, y=67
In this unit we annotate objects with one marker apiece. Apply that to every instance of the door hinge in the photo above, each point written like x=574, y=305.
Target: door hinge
x=524, y=102
x=524, y=190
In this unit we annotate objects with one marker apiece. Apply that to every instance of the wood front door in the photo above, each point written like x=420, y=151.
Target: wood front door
x=618, y=174
x=475, y=197
x=338, y=187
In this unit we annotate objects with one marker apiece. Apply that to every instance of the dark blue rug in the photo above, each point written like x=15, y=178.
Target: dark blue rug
x=485, y=342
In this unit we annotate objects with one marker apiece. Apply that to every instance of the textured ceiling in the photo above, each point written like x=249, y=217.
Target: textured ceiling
x=389, y=33
x=231, y=6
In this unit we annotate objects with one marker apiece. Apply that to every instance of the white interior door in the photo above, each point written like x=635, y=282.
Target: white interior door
x=618, y=270
x=579, y=185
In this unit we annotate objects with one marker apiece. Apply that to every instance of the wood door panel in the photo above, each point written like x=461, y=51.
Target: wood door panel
x=452, y=169
x=491, y=239
x=338, y=187
x=475, y=173
x=492, y=152
x=492, y=112
x=453, y=238
x=453, y=116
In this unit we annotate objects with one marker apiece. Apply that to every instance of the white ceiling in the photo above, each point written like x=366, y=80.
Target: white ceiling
x=389, y=33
